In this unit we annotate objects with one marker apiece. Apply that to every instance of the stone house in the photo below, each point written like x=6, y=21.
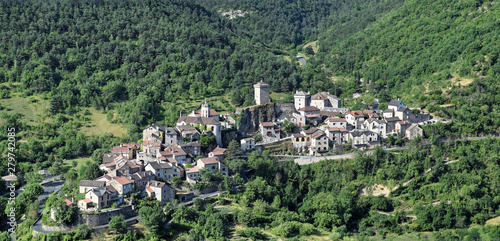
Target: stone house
x=363, y=138
x=153, y=132
x=336, y=122
x=171, y=136
x=122, y=184
x=212, y=164
x=394, y=105
x=300, y=120
x=140, y=179
x=208, y=123
x=151, y=148
x=325, y=99
x=192, y=148
x=188, y=132
x=337, y=135
x=193, y=172
x=160, y=190
x=413, y=132
x=268, y=129
x=319, y=143
x=85, y=204
x=164, y=170
x=309, y=111
x=355, y=118
x=126, y=150
x=403, y=113
x=218, y=153
x=100, y=197
x=376, y=125
x=401, y=126
x=301, y=142
x=86, y=185
x=247, y=144
x=391, y=124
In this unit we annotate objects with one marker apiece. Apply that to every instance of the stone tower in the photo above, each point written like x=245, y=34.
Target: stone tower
x=261, y=93
x=205, y=109
x=302, y=99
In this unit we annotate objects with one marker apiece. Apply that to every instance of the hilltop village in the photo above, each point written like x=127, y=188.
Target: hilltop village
x=320, y=125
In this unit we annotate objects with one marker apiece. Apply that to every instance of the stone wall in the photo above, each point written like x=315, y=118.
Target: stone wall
x=288, y=108
x=60, y=228
x=103, y=217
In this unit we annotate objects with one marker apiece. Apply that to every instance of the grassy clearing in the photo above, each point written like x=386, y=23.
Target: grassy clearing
x=280, y=97
x=33, y=108
x=98, y=125
x=219, y=103
x=80, y=162
x=456, y=79
x=313, y=44
x=493, y=221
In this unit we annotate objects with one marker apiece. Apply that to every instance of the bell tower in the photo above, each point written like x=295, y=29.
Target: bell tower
x=205, y=109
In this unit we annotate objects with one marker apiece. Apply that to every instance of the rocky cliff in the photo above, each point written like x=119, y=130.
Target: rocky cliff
x=252, y=116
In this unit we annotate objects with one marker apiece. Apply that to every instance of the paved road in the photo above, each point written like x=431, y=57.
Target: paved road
x=304, y=160
x=50, y=188
x=47, y=180
x=302, y=61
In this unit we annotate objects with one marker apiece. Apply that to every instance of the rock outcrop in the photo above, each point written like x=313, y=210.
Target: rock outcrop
x=252, y=116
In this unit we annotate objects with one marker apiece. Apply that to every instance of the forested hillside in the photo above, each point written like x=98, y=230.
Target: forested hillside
x=429, y=53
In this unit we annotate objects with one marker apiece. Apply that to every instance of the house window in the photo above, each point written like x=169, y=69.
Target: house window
x=213, y=167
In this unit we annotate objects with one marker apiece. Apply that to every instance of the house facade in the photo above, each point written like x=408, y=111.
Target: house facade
x=301, y=99
x=122, y=184
x=160, y=190
x=247, y=144
x=212, y=164
x=413, y=132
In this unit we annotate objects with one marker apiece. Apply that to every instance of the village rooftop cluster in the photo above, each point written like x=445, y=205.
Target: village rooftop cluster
x=321, y=125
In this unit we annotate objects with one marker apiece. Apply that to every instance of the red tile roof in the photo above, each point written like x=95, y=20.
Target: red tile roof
x=193, y=169
x=86, y=200
x=218, y=151
x=319, y=134
x=267, y=124
x=68, y=202
x=335, y=119
x=208, y=160
x=333, y=129
x=148, y=189
x=122, y=180
x=357, y=113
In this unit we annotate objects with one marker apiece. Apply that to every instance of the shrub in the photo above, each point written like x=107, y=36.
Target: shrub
x=251, y=233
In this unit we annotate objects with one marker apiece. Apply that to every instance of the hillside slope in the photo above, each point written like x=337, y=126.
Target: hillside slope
x=429, y=53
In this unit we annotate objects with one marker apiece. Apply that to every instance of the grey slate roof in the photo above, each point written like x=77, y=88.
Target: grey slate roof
x=395, y=102
x=90, y=183
x=160, y=165
x=99, y=191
